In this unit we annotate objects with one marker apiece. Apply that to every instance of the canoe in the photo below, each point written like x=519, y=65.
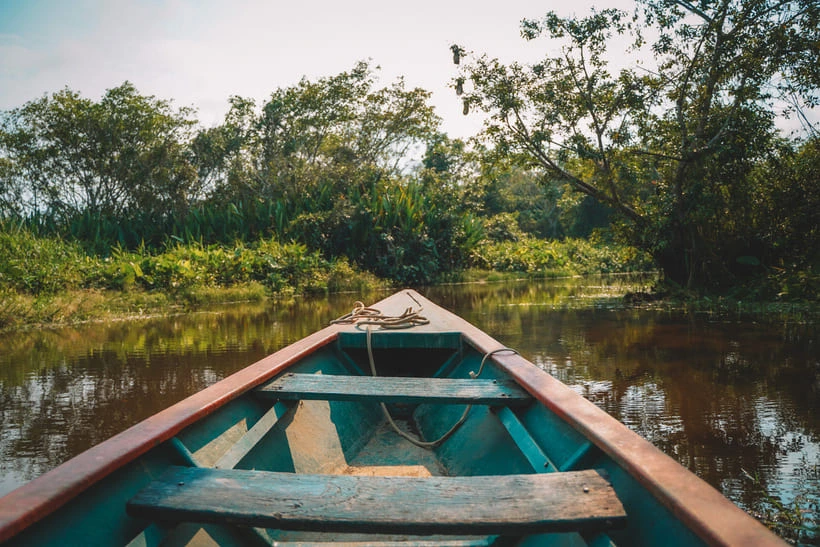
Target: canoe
x=397, y=425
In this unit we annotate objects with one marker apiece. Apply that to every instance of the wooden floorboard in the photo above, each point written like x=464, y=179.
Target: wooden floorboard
x=499, y=504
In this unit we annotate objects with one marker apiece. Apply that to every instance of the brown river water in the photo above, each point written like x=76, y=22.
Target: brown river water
x=736, y=400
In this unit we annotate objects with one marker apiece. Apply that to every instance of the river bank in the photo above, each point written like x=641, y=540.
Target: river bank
x=20, y=311
x=50, y=281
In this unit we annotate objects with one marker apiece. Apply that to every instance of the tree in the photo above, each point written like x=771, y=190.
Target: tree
x=667, y=148
x=220, y=154
x=333, y=157
x=318, y=133
x=126, y=154
x=787, y=218
x=10, y=191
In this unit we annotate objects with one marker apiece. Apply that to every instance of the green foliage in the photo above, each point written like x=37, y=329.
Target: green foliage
x=543, y=207
x=503, y=227
x=670, y=149
x=40, y=265
x=184, y=267
x=45, y=266
x=312, y=141
x=240, y=292
x=786, y=192
x=323, y=163
x=559, y=258
x=340, y=174
x=65, y=155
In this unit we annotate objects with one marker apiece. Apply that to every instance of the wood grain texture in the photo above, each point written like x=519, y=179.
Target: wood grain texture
x=503, y=504
x=387, y=389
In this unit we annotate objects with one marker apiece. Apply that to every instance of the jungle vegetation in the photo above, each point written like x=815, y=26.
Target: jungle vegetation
x=679, y=165
x=683, y=145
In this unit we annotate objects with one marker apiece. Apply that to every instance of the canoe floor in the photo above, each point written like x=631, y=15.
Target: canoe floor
x=316, y=448
x=408, y=459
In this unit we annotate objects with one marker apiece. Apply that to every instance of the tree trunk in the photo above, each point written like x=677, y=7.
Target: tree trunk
x=677, y=259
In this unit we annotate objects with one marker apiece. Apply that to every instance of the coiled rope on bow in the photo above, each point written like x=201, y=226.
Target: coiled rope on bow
x=363, y=315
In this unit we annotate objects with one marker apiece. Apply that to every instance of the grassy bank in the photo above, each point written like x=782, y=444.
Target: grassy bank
x=48, y=280
x=51, y=281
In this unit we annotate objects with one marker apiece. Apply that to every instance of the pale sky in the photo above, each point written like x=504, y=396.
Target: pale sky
x=200, y=52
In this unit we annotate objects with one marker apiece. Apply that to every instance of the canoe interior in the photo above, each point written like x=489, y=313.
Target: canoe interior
x=261, y=432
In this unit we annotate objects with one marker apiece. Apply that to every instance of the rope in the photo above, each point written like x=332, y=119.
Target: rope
x=369, y=317
x=395, y=426
x=475, y=375
x=363, y=315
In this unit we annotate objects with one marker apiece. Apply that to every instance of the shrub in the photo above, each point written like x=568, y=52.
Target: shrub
x=40, y=265
x=569, y=257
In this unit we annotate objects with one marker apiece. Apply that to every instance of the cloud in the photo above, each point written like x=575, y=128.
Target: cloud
x=199, y=53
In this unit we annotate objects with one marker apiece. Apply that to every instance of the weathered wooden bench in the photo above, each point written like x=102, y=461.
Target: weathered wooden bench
x=387, y=389
x=581, y=501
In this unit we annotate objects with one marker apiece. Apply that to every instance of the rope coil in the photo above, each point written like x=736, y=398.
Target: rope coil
x=370, y=317
x=367, y=316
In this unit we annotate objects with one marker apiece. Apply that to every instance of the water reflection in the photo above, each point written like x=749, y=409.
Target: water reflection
x=64, y=390
x=723, y=398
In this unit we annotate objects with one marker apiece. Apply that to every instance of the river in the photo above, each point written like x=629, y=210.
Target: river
x=735, y=400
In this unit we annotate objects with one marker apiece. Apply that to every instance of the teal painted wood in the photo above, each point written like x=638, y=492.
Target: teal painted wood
x=599, y=540
x=401, y=339
x=152, y=536
x=387, y=389
x=98, y=518
x=481, y=446
x=576, y=456
x=477, y=542
x=182, y=451
x=538, y=459
x=232, y=416
x=560, y=441
x=449, y=365
x=252, y=437
x=157, y=534
x=503, y=504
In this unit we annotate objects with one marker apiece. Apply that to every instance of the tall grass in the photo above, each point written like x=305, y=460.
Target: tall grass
x=46, y=265
x=37, y=265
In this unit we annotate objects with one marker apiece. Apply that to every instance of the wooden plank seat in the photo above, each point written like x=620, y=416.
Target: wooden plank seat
x=388, y=389
x=501, y=504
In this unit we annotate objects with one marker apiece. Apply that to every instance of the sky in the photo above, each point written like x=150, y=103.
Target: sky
x=200, y=52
